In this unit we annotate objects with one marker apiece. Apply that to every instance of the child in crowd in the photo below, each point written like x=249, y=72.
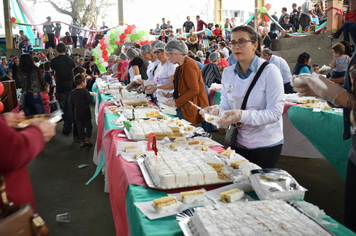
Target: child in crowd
x=315, y=68
x=339, y=63
x=46, y=99
x=80, y=102
x=76, y=71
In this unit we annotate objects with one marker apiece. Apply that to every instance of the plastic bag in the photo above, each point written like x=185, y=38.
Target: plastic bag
x=271, y=183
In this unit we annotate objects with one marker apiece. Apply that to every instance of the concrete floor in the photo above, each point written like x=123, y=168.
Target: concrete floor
x=59, y=186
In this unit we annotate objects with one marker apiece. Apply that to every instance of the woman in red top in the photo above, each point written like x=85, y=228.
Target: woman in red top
x=18, y=149
x=217, y=31
x=223, y=63
x=349, y=26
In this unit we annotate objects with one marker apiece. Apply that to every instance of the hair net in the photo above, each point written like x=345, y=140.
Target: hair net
x=159, y=45
x=200, y=54
x=146, y=48
x=214, y=56
x=153, y=44
x=267, y=51
x=177, y=47
x=123, y=56
x=131, y=53
x=113, y=57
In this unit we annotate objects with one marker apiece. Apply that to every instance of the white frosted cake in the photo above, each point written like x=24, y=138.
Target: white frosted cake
x=190, y=197
x=232, y=195
x=165, y=204
x=252, y=218
x=180, y=169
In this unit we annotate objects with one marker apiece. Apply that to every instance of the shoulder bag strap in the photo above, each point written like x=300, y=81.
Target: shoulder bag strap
x=259, y=72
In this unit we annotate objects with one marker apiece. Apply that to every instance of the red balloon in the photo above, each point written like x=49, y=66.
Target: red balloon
x=268, y=6
x=105, y=52
x=133, y=26
x=1, y=88
x=127, y=31
x=266, y=18
x=1, y=107
x=103, y=47
x=13, y=19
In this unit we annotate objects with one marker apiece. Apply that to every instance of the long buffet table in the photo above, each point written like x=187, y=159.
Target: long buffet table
x=126, y=185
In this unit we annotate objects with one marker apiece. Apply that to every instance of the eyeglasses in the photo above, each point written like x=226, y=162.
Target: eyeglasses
x=241, y=42
x=158, y=52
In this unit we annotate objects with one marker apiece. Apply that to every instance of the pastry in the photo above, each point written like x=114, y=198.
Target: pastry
x=165, y=204
x=191, y=197
x=232, y=195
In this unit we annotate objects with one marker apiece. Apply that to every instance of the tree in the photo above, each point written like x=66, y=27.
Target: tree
x=84, y=10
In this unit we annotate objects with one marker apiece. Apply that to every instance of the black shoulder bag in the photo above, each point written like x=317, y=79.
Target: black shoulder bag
x=231, y=132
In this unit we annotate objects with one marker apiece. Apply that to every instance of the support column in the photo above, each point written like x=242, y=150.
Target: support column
x=120, y=9
x=217, y=11
x=7, y=24
x=334, y=17
x=258, y=17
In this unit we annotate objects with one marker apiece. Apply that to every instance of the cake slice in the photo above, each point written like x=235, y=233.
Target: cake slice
x=165, y=204
x=232, y=195
x=131, y=149
x=238, y=164
x=139, y=154
x=218, y=167
x=190, y=197
x=227, y=152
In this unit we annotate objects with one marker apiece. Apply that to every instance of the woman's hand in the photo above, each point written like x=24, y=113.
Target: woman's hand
x=149, y=89
x=170, y=103
x=169, y=95
x=230, y=117
x=212, y=110
x=11, y=117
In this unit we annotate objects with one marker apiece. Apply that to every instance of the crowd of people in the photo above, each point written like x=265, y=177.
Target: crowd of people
x=169, y=70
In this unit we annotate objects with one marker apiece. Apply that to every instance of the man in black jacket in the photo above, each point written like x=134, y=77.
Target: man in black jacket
x=63, y=66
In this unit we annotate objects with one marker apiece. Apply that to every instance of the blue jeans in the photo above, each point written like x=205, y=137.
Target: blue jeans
x=64, y=103
x=227, y=35
x=179, y=113
x=33, y=104
x=80, y=38
x=346, y=28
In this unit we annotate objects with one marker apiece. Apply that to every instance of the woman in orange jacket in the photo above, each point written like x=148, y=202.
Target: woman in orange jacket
x=188, y=83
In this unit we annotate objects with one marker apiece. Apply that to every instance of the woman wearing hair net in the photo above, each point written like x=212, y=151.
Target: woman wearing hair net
x=188, y=83
x=163, y=73
x=136, y=73
x=122, y=58
x=211, y=72
x=346, y=98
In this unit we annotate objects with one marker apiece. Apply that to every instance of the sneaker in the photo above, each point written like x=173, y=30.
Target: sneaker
x=331, y=37
x=76, y=140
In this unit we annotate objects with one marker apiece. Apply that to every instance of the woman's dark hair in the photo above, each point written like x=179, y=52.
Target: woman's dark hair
x=253, y=36
x=207, y=54
x=222, y=43
x=303, y=57
x=347, y=48
x=27, y=66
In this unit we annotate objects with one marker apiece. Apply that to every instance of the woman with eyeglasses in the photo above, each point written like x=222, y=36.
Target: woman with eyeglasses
x=260, y=138
x=188, y=83
x=163, y=73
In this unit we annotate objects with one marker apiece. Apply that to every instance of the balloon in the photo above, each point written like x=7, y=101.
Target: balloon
x=1, y=107
x=1, y=88
x=263, y=10
x=222, y=25
x=117, y=39
x=134, y=31
x=101, y=60
x=266, y=18
x=103, y=47
x=105, y=53
x=13, y=19
x=14, y=26
x=114, y=46
x=17, y=21
x=268, y=6
x=112, y=50
x=132, y=38
x=104, y=64
x=112, y=36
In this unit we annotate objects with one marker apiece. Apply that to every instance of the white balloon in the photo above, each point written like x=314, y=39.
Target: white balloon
x=101, y=60
x=137, y=41
x=105, y=64
x=124, y=27
x=127, y=39
x=109, y=54
x=99, y=54
x=134, y=31
x=117, y=39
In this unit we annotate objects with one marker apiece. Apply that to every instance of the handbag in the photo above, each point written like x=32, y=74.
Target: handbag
x=232, y=130
x=45, y=38
x=19, y=220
